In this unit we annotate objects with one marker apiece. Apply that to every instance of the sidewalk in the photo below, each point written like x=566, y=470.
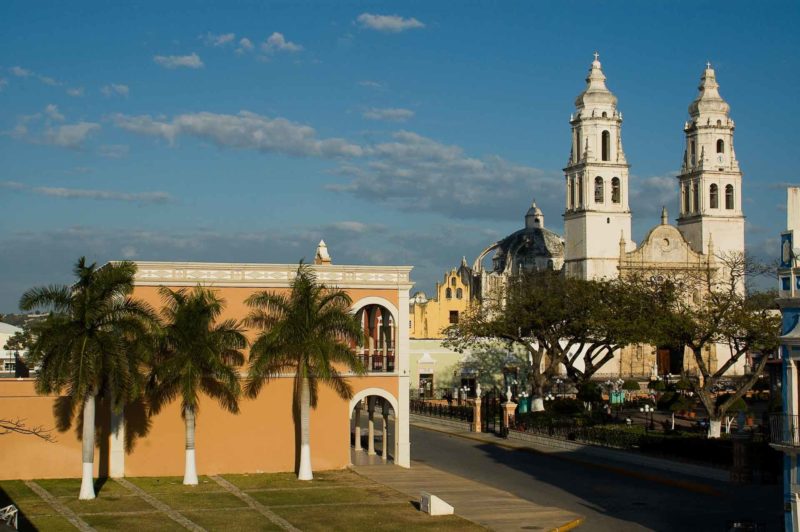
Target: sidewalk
x=479, y=503
x=621, y=462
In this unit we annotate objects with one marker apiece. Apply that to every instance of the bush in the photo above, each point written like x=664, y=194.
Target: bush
x=738, y=406
x=681, y=404
x=566, y=406
x=657, y=385
x=683, y=384
x=590, y=393
x=631, y=385
x=666, y=400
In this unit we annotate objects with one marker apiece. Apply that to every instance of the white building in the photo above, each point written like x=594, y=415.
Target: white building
x=7, y=357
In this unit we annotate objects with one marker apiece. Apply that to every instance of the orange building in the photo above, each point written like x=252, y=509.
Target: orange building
x=262, y=437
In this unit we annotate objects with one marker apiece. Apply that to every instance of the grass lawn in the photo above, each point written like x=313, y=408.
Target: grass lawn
x=335, y=501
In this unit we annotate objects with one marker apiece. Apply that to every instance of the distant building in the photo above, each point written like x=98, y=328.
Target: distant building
x=785, y=428
x=9, y=358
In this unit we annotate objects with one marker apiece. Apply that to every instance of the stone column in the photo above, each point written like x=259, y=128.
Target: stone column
x=385, y=427
x=476, y=416
x=509, y=407
x=357, y=428
x=371, y=425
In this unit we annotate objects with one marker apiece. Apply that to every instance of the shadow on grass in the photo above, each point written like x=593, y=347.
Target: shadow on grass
x=22, y=520
x=98, y=484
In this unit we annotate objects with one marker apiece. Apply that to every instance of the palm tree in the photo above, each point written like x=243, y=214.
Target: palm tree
x=91, y=345
x=309, y=333
x=195, y=354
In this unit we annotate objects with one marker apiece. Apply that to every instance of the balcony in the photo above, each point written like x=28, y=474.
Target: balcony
x=378, y=360
x=785, y=432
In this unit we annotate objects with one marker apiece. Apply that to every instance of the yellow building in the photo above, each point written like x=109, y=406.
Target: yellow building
x=430, y=317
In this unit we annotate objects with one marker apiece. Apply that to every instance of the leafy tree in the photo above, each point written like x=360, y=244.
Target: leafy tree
x=631, y=385
x=20, y=340
x=309, y=332
x=195, y=354
x=558, y=320
x=91, y=344
x=711, y=308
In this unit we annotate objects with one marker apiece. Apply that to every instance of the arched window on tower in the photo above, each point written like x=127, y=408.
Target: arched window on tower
x=729, y=196
x=448, y=293
x=459, y=293
x=713, y=196
x=615, y=190
x=598, y=189
x=571, y=185
x=720, y=146
x=686, y=199
x=695, y=199
x=580, y=191
x=692, y=157
x=606, y=144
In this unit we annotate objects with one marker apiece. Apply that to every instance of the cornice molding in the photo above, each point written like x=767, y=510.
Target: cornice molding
x=268, y=275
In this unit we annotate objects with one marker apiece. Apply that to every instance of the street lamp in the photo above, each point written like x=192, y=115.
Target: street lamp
x=647, y=409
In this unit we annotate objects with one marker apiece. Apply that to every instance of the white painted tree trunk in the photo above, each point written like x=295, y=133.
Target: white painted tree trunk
x=87, y=477
x=190, y=469
x=304, y=472
x=537, y=404
x=728, y=423
x=714, y=428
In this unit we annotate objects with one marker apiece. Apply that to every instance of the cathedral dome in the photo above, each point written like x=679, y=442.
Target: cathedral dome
x=531, y=248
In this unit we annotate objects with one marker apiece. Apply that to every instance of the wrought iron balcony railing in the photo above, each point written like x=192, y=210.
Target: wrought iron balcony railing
x=378, y=360
x=784, y=430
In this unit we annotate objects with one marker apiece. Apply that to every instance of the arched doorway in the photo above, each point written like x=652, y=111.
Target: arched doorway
x=374, y=426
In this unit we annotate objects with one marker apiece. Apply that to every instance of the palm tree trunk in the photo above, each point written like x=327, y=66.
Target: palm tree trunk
x=190, y=470
x=87, y=478
x=305, y=433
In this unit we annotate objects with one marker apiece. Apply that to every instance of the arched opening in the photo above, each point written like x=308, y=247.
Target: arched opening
x=615, y=190
x=571, y=192
x=719, y=123
x=720, y=146
x=448, y=293
x=686, y=203
x=692, y=157
x=713, y=196
x=695, y=198
x=605, y=114
x=373, y=427
x=598, y=189
x=580, y=191
x=453, y=281
x=377, y=350
x=459, y=293
x=606, y=144
x=729, y=196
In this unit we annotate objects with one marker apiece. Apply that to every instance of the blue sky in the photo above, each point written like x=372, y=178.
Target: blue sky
x=402, y=133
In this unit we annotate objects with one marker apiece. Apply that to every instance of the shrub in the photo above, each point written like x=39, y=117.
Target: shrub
x=666, y=400
x=566, y=406
x=738, y=406
x=681, y=404
x=631, y=385
x=683, y=384
x=590, y=392
x=657, y=385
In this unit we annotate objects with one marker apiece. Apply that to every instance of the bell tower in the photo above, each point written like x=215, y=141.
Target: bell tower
x=597, y=211
x=710, y=178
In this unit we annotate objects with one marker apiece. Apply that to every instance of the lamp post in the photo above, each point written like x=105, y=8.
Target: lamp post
x=647, y=409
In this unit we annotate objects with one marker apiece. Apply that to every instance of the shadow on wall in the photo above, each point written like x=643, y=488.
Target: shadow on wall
x=137, y=425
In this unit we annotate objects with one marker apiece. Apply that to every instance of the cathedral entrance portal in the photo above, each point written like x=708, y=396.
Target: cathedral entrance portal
x=670, y=360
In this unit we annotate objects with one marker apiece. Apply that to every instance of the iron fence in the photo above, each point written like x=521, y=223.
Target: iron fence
x=784, y=430
x=425, y=408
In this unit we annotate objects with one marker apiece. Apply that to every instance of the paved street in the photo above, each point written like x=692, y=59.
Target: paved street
x=609, y=500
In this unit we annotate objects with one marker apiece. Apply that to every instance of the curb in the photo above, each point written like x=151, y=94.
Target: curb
x=569, y=526
x=695, y=487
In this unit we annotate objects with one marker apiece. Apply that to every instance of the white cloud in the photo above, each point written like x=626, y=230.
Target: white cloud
x=388, y=23
x=115, y=88
x=649, y=194
x=75, y=91
x=391, y=114
x=370, y=84
x=20, y=72
x=218, y=40
x=129, y=252
x=278, y=43
x=3, y=84
x=113, y=151
x=82, y=193
x=245, y=45
x=179, y=61
x=416, y=173
x=71, y=135
x=52, y=113
x=245, y=130
x=48, y=80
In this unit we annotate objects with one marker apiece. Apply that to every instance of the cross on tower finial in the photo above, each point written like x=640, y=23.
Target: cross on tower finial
x=708, y=64
x=596, y=56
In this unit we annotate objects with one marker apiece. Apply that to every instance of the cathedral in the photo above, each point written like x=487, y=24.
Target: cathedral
x=597, y=241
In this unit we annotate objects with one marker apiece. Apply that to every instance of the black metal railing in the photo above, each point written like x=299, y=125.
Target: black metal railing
x=426, y=408
x=784, y=430
x=378, y=360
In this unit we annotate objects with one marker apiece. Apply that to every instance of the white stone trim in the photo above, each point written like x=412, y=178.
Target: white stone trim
x=402, y=448
x=375, y=300
x=267, y=275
